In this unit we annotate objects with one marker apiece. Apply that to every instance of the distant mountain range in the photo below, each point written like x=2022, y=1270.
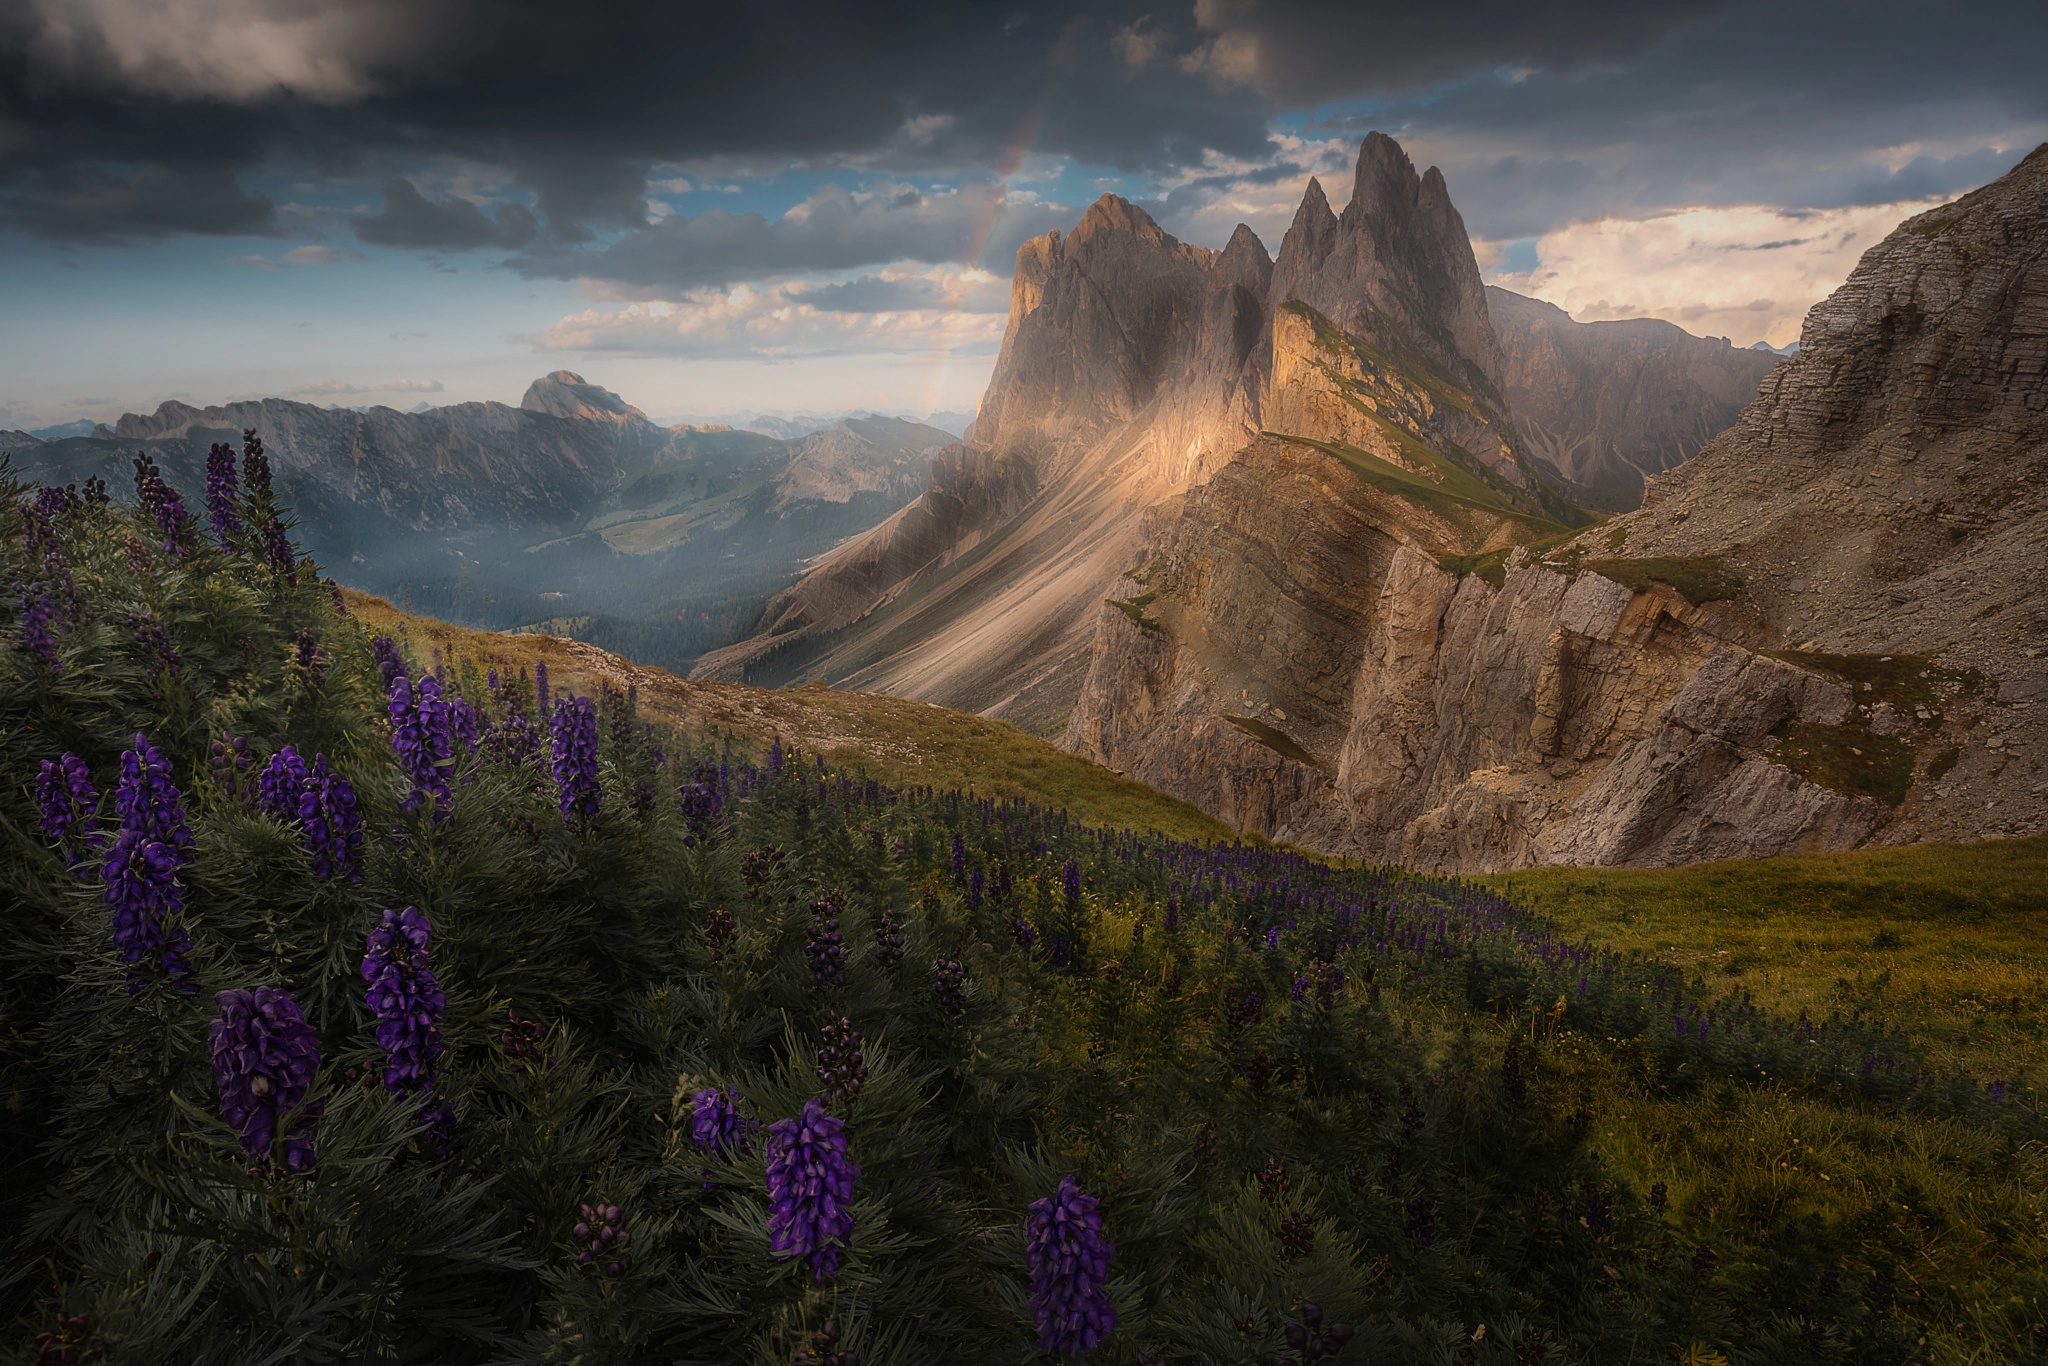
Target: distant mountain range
x=572, y=508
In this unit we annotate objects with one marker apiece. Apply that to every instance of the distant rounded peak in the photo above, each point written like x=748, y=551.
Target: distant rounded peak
x=1114, y=214
x=567, y=394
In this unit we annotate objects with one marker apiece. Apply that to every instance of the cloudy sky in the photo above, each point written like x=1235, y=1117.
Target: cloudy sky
x=791, y=206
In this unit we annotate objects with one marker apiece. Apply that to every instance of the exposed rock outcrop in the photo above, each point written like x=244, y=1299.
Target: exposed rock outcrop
x=1133, y=367
x=1824, y=630
x=564, y=393
x=1607, y=404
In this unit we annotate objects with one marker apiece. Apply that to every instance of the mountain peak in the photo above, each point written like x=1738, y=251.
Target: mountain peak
x=1384, y=177
x=1114, y=214
x=1395, y=267
x=564, y=393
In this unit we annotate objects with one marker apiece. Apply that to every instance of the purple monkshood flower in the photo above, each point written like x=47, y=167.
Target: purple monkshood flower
x=1069, y=1261
x=810, y=1189
x=277, y=545
x=716, y=1124
x=38, y=617
x=425, y=744
x=311, y=659
x=572, y=739
x=390, y=663
x=1070, y=882
x=462, y=723
x=154, y=642
x=221, y=488
x=284, y=778
x=406, y=998
x=334, y=828
x=265, y=1057
x=68, y=800
x=164, y=506
x=142, y=867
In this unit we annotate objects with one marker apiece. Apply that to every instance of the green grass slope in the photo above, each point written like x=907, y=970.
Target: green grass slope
x=1947, y=943
x=894, y=740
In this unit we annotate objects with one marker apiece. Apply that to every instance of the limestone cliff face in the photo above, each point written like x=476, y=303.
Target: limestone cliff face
x=1825, y=630
x=1127, y=373
x=1134, y=367
x=1607, y=404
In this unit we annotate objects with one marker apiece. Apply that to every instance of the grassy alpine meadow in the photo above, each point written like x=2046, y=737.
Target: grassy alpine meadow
x=369, y=1001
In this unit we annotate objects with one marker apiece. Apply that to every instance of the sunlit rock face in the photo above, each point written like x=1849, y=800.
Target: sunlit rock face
x=1823, y=631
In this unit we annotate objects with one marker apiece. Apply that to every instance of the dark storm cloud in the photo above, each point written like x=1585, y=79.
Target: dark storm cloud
x=127, y=204
x=1713, y=113
x=832, y=230
x=410, y=219
x=1595, y=102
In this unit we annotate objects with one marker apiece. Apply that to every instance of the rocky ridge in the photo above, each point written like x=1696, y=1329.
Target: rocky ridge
x=1133, y=368
x=1824, y=630
x=1605, y=405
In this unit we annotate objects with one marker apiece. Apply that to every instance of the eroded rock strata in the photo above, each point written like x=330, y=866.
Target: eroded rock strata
x=1134, y=367
x=1824, y=630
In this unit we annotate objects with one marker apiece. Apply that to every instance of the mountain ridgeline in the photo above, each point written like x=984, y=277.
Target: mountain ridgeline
x=1820, y=632
x=572, y=510
x=1300, y=540
x=1136, y=367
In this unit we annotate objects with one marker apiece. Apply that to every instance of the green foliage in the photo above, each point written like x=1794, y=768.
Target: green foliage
x=1134, y=608
x=1853, y=759
x=1404, y=1098
x=1490, y=565
x=1700, y=579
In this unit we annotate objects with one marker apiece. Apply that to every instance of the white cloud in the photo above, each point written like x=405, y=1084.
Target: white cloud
x=229, y=49
x=1748, y=272
x=779, y=321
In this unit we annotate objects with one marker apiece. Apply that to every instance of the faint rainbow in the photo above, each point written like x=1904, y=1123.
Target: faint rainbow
x=1007, y=164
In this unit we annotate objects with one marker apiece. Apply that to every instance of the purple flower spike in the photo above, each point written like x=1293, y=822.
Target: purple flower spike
x=716, y=1124
x=425, y=743
x=390, y=663
x=68, y=800
x=277, y=791
x=463, y=723
x=810, y=1189
x=334, y=829
x=1069, y=1261
x=164, y=506
x=38, y=618
x=142, y=867
x=406, y=998
x=221, y=488
x=573, y=743
x=264, y=1060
